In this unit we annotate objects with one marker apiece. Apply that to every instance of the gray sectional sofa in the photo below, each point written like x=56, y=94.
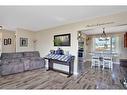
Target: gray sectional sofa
x=21, y=61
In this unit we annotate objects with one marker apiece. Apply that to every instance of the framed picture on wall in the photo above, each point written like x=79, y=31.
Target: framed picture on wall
x=5, y=41
x=9, y=40
x=62, y=40
x=23, y=42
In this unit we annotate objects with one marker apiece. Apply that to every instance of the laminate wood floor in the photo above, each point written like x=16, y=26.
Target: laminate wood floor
x=41, y=79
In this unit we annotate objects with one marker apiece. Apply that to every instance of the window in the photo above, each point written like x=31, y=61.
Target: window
x=114, y=44
x=105, y=44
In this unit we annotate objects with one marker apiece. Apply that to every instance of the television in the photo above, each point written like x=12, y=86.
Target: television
x=62, y=40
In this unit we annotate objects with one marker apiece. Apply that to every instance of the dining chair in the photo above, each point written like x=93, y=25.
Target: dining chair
x=95, y=60
x=107, y=62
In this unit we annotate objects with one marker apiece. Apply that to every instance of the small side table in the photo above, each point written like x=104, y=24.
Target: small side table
x=69, y=62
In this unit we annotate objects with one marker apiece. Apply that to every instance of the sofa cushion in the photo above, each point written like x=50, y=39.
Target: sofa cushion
x=26, y=59
x=20, y=61
x=11, y=61
x=11, y=55
x=31, y=54
x=31, y=63
x=11, y=69
x=36, y=58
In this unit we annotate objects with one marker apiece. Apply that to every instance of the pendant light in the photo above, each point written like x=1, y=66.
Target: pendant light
x=103, y=35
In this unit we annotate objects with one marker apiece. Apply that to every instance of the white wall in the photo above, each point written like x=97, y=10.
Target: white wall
x=45, y=37
x=45, y=44
x=24, y=34
x=89, y=48
x=5, y=35
x=15, y=40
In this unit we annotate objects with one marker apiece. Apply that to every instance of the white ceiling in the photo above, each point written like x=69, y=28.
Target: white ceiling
x=43, y=17
x=115, y=29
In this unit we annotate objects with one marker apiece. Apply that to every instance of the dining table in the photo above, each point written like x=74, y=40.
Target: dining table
x=103, y=55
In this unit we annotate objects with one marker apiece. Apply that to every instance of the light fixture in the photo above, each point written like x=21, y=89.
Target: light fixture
x=79, y=35
x=103, y=35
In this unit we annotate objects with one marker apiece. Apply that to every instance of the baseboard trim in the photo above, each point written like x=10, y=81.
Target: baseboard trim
x=76, y=73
